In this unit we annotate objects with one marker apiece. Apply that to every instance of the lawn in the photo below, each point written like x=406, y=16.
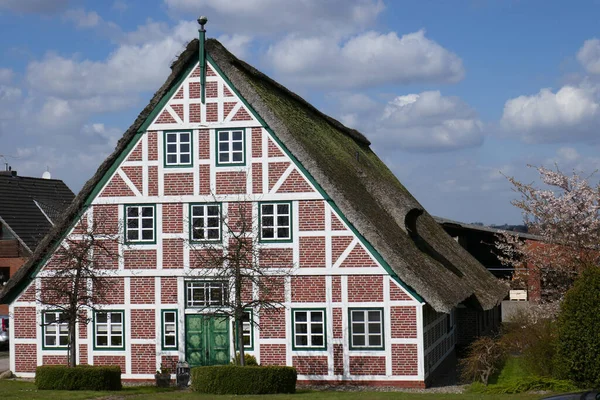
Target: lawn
x=10, y=389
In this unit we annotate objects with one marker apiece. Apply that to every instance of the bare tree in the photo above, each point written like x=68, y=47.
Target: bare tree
x=252, y=273
x=75, y=280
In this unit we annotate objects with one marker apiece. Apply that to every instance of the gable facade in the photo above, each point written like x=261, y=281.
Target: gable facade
x=344, y=317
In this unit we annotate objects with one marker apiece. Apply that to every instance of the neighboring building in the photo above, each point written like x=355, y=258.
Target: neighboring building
x=29, y=207
x=376, y=276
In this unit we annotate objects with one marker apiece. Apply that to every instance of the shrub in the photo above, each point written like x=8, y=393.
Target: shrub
x=249, y=360
x=526, y=384
x=82, y=377
x=232, y=379
x=578, y=346
x=484, y=357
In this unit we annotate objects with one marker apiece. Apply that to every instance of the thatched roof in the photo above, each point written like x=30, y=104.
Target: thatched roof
x=353, y=178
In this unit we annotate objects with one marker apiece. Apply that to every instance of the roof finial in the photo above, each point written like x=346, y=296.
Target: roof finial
x=202, y=20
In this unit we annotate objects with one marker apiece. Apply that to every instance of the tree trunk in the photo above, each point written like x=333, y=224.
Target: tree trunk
x=72, y=343
x=239, y=337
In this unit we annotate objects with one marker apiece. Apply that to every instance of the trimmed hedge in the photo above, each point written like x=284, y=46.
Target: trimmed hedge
x=234, y=379
x=81, y=377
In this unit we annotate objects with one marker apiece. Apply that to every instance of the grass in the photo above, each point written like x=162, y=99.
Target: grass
x=10, y=389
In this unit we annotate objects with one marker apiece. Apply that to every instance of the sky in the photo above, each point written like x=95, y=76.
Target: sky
x=454, y=96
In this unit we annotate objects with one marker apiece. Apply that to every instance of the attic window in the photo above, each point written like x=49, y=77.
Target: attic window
x=230, y=147
x=139, y=224
x=178, y=149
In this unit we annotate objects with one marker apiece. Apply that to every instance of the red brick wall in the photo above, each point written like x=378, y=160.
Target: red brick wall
x=26, y=357
x=404, y=359
x=136, y=153
x=152, y=180
x=308, y=289
x=83, y=354
x=273, y=150
x=116, y=187
x=337, y=323
x=396, y=293
x=310, y=365
x=195, y=113
x=339, y=244
x=276, y=169
x=135, y=176
x=231, y=182
x=204, y=179
x=179, y=184
x=257, y=178
x=311, y=215
x=142, y=290
x=203, y=144
x=152, y=146
x=111, y=360
x=358, y=257
x=172, y=215
x=404, y=322
x=312, y=252
x=172, y=253
x=272, y=354
x=140, y=259
x=272, y=324
x=168, y=290
x=212, y=114
x=256, y=142
x=276, y=257
x=54, y=360
x=295, y=183
x=114, y=292
x=143, y=358
x=336, y=289
x=365, y=288
x=211, y=89
x=338, y=359
x=367, y=365
x=24, y=323
x=143, y=324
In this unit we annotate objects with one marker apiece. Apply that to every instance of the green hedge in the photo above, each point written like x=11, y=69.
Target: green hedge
x=82, y=377
x=233, y=379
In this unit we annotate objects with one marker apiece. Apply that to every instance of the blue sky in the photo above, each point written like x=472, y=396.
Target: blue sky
x=451, y=94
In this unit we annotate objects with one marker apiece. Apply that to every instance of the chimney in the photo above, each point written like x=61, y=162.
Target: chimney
x=8, y=172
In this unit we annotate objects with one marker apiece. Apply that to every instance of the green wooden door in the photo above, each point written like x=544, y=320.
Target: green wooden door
x=206, y=340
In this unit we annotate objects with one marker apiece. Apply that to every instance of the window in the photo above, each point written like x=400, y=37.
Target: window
x=108, y=330
x=139, y=226
x=309, y=329
x=56, y=329
x=230, y=147
x=366, y=329
x=206, y=222
x=276, y=221
x=178, y=149
x=169, y=329
x=206, y=294
x=247, y=331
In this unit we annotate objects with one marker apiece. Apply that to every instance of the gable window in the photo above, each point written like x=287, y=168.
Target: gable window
x=139, y=224
x=309, y=329
x=230, y=147
x=178, y=148
x=206, y=294
x=109, y=330
x=56, y=329
x=275, y=221
x=366, y=329
x=206, y=222
x=169, y=329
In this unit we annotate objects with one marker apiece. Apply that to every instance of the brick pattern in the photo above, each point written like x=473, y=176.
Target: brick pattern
x=172, y=253
x=256, y=142
x=110, y=360
x=336, y=289
x=257, y=178
x=367, y=365
x=404, y=359
x=212, y=112
x=242, y=115
x=142, y=290
x=172, y=216
x=336, y=224
x=28, y=294
x=276, y=257
x=339, y=244
x=140, y=259
x=179, y=184
x=310, y=365
x=240, y=217
x=363, y=288
x=308, y=289
x=311, y=215
x=136, y=153
x=54, y=360
x=143, y=324
x=83, y=354
x=169, y=362
x=107, y=256
x=211, y=89
x=272, y=354
x=143, y=358
x=272, y=325
x=153, y=180
x=178, y=109
x=295, y=183
x=232, y=182
x=227, y=107
x=26, y=361
x=404, y=322
x=106, y=218
x=276, y=169
x=195, y=113
x=194, y=90
x=152, y=146
x=204, y=179
x=135, y=176
x=203, y=144
x=272, y=289
x=337, y=323
x=397, y=293
x=165, y=118
x=358, y=257
x=116, y=188
x=168, y=290
x=24, y=323
x=312, y=252
x=273, y=149
x=179, y=94
x=227, y=92
x=114, y=292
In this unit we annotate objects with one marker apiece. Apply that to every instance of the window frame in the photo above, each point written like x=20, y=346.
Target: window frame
x=219, y=163
x=125, y=229
x=251, y=331
x=94, y=332
x=163, y=334
x=261, y=239
x=178, y=153
x=366, y=347
x=224, y=295
x=309, y=347
x=191, y=223
x=57, y=334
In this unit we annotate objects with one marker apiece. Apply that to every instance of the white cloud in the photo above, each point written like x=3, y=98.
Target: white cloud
x=427, y=122
x=82, y=18
x=589, y=56
x=237, y=44
x=256, y=17
x=34, y=6
x=6, y=75
x=367, y=59
x=572, y=113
